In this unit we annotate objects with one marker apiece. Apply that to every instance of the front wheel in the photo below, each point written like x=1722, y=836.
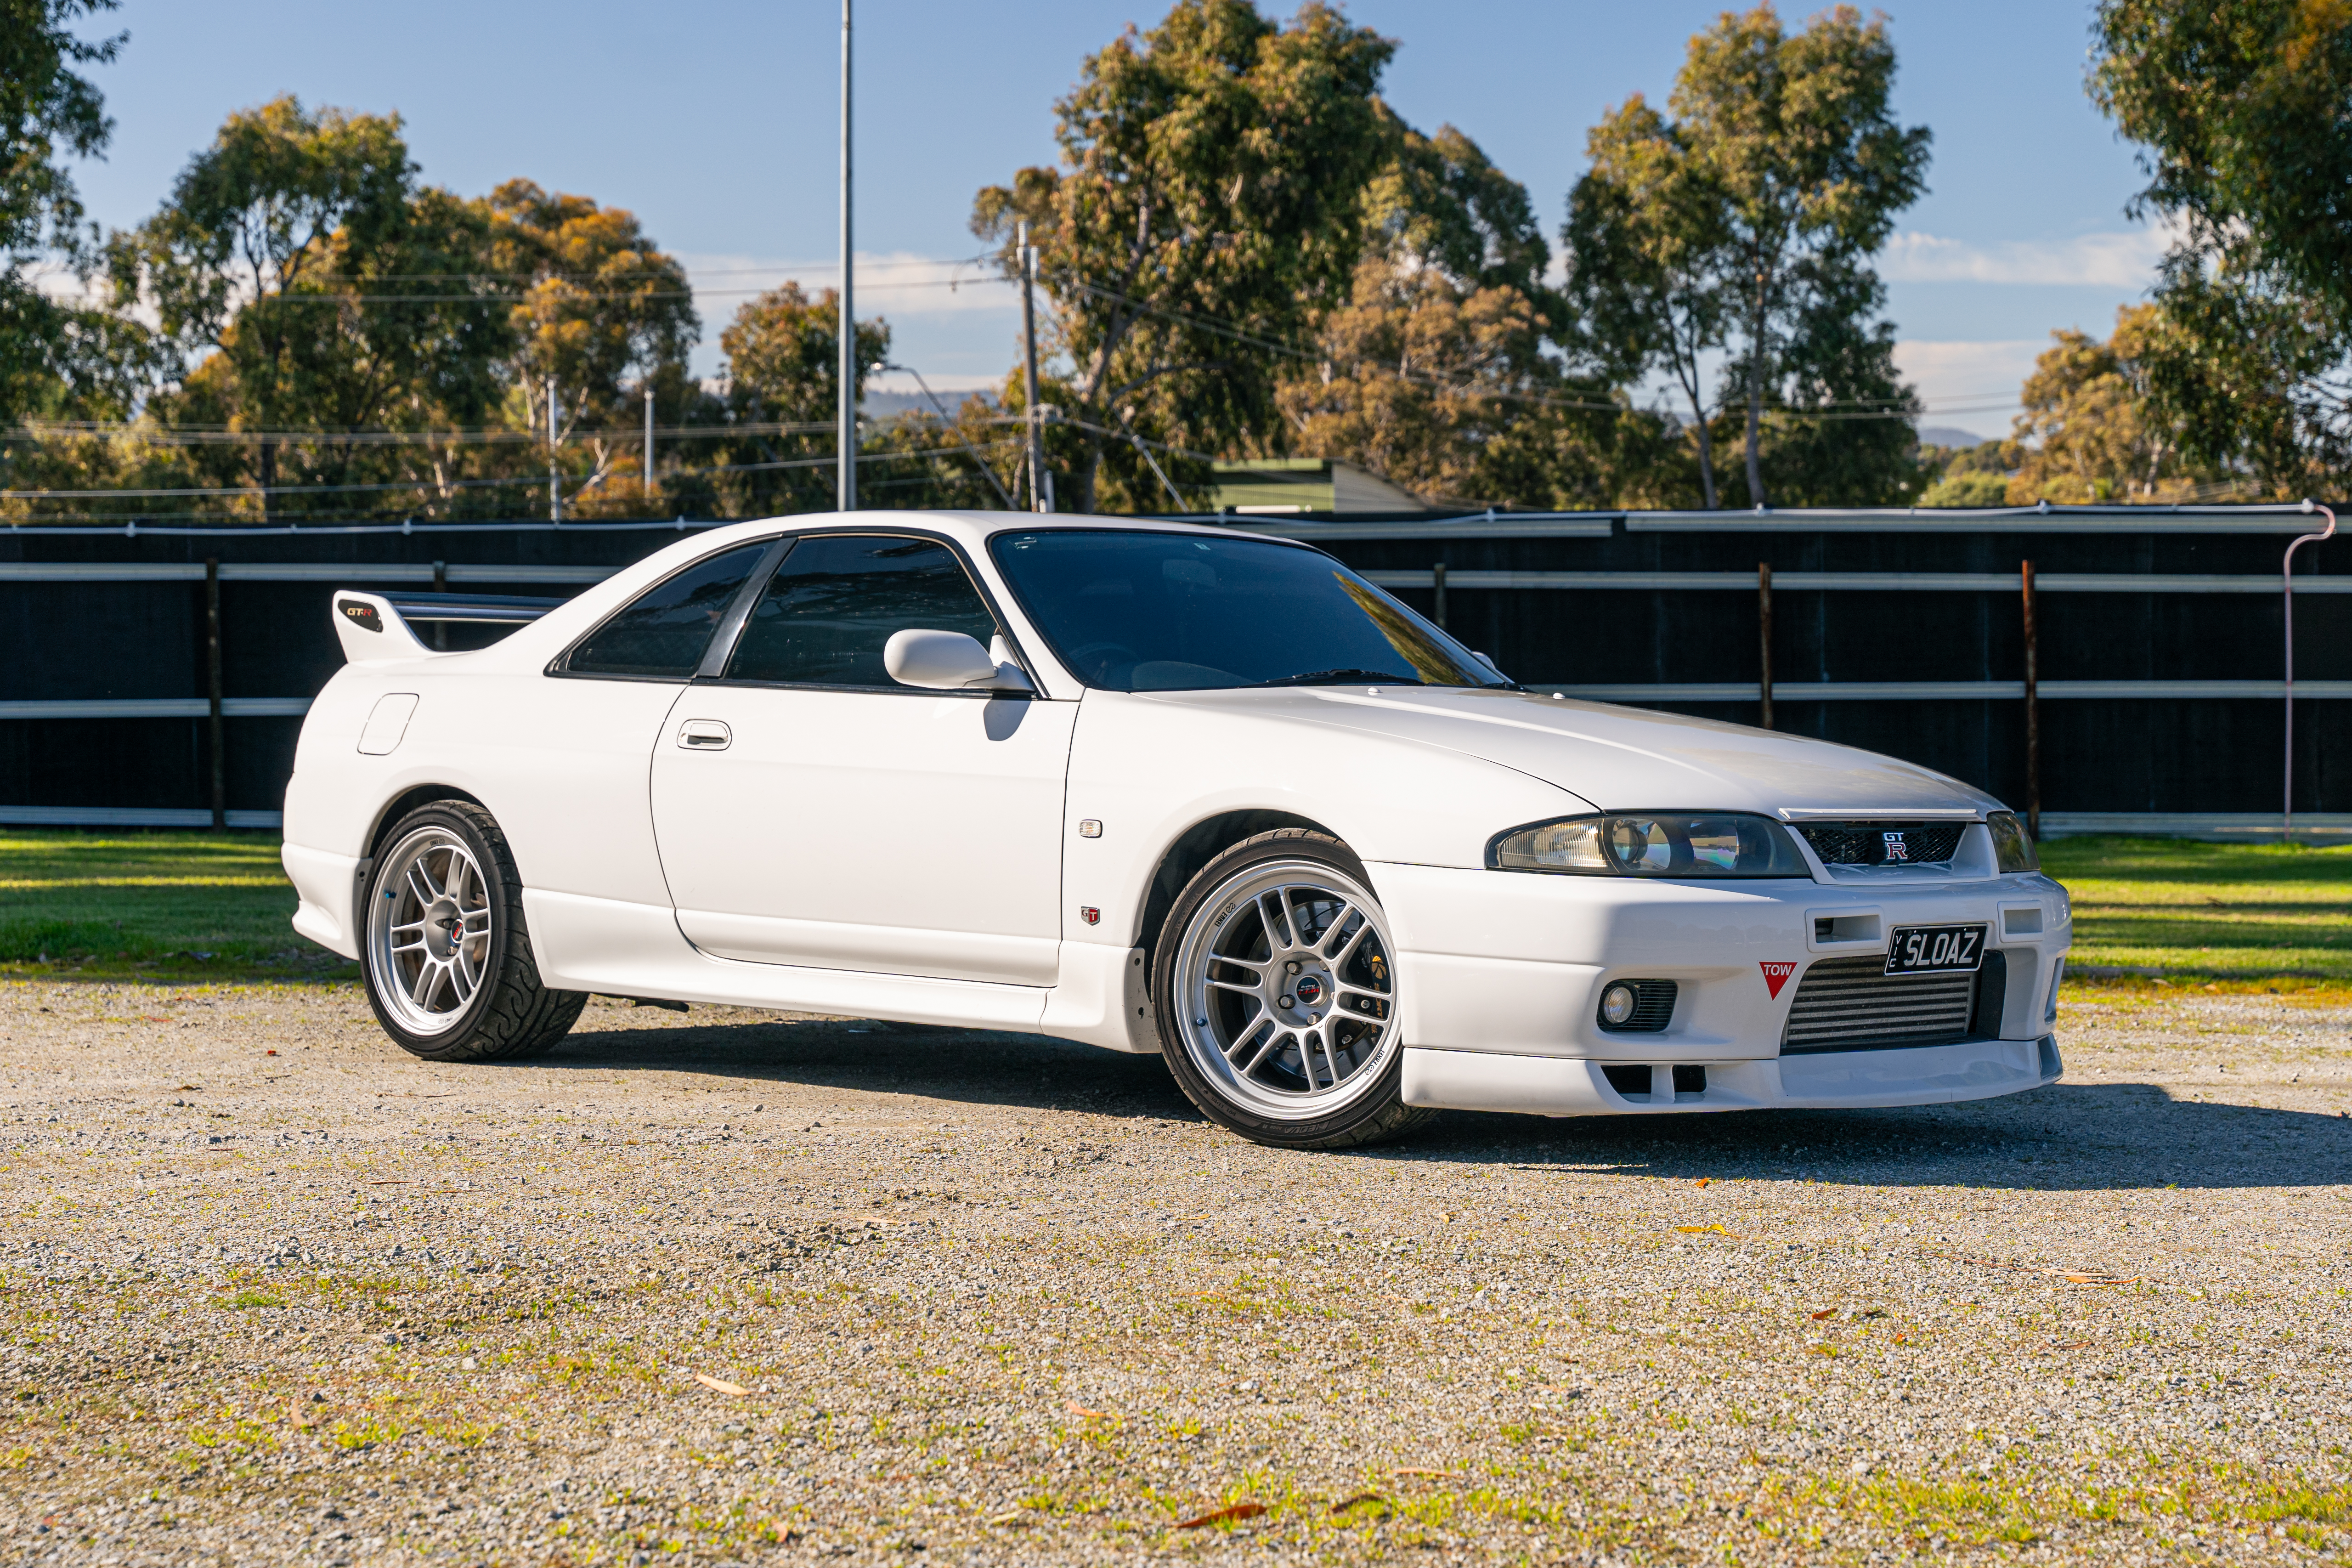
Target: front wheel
x=447, y=959
x=1278, y=996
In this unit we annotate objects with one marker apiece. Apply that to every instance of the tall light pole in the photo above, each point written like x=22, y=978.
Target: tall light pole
x=554, y=485
x=845, y=441
x=1041, y=492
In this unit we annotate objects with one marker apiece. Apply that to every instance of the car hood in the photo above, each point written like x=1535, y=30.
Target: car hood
x=1620, y=758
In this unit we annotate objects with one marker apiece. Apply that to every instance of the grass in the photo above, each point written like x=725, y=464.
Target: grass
x=170, y=905
x=2229, y=917
x=2147, y=911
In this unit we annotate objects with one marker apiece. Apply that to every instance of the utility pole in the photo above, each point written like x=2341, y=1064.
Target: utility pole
x=554, y=485
x=1041, y=492
x=648, y=484
x=846, y=440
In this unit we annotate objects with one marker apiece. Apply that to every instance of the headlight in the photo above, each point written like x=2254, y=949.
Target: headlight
x=2011, y=843
x=1651, y=844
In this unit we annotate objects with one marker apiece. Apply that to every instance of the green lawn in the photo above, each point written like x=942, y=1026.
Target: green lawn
x=179, y=904
x=2235, y=915
x=175, y=905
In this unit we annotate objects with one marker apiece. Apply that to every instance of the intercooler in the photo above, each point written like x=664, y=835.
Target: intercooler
x=1852, y=1004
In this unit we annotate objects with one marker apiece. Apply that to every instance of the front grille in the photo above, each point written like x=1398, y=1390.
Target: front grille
x=1866, y=843
x=1845, y=1003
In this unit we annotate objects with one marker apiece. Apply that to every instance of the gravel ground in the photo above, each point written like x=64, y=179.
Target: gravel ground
x=728, y=1287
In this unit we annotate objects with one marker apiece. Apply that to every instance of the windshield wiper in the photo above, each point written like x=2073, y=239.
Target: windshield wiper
x=1341, y=677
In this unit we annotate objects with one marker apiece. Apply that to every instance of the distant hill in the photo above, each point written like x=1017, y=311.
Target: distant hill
x=1951, y=436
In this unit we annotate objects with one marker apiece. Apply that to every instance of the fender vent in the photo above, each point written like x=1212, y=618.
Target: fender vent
x=1850, y=1003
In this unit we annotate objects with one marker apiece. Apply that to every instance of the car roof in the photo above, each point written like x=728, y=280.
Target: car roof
x=973, y=529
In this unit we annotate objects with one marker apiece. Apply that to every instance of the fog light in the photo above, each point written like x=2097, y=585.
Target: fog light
x=1617, y=1003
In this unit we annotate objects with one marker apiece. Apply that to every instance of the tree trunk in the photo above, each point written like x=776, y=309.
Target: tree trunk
x=1706, y=456
x=1083, y=481
x=1758, y=350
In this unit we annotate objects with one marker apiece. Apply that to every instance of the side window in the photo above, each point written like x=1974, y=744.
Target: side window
x=837, y=598
x=666, y=631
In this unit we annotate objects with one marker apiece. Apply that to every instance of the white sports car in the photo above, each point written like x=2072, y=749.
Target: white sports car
x=1159, y=788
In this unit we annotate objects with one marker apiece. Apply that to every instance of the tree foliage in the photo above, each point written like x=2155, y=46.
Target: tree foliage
x=2238, y=109
x=52, y=356
x=1246, y=252
x=1746, y=223
x=2090, y=431
x=1207, y=210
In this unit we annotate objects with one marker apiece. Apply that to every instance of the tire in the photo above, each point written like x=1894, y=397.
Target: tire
x=444, y=950
x=1288, y=912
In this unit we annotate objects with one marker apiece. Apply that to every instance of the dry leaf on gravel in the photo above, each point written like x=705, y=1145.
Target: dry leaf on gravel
x=1703, y=1229
x=1448, y=1475
x=1077, y=1409
x=1239, y=1510
x=1702, y=1180
x=720, y=1385
x=1344, y=1504
x=1825, y=1312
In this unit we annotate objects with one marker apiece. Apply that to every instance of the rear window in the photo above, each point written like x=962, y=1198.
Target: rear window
x=664, y=632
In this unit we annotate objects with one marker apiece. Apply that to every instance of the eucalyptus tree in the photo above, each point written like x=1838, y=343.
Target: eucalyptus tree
x=2238, y=108
x=306, y=291
x=1746, y=224
x=1206, y=211
x=48, y=110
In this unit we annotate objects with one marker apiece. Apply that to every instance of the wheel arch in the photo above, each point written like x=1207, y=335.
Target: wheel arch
x=391, y=811
x=1195, y=847
x=408, y=800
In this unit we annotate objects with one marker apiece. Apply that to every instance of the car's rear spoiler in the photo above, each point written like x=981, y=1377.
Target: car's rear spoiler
x=376, y=625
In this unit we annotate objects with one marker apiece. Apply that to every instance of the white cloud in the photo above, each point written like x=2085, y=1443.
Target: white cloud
x=1969, y=386
x=2126, y=260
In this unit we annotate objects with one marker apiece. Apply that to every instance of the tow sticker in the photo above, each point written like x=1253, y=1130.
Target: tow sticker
x=1776, y=973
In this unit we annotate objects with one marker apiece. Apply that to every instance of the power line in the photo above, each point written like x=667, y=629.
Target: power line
x=231, y=491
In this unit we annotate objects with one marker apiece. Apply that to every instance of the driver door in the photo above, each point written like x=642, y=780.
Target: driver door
x=812, y=811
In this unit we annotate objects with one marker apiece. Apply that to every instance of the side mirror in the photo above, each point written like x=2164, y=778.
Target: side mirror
x=947, y=661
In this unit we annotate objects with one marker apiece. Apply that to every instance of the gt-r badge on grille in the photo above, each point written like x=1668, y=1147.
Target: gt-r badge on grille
x=1776, y=971
x=1895, y=849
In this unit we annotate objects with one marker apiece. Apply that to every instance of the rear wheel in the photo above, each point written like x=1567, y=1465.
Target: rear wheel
x=1277, y=988
x=446, y=957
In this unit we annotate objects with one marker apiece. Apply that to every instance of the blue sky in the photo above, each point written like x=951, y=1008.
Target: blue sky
x=715, y=123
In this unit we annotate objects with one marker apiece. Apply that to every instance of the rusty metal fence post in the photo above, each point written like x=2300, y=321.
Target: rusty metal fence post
x=1764, y=639
x=1437, y=580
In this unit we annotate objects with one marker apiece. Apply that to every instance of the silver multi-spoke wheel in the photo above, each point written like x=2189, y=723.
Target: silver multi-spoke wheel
x=1286, y=990
x=429, y=936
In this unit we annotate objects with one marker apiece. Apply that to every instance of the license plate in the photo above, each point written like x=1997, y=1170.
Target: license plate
x=1925, y=949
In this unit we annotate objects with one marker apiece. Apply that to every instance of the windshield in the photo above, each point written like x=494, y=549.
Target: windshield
x=1172, y=612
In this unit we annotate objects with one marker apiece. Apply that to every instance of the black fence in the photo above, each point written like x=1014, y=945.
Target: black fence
x=2156, y=647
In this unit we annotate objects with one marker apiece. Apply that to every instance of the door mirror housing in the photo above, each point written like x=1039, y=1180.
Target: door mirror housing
x=947, y=661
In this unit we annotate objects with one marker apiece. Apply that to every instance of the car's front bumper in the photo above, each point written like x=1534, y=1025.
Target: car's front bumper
x=1503, y=974
x=1559, y=1086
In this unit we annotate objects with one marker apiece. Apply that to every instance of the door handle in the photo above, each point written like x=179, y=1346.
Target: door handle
x=704, y=735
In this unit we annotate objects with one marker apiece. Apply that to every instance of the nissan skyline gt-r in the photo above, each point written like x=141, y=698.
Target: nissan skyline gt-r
x=1160, y=788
